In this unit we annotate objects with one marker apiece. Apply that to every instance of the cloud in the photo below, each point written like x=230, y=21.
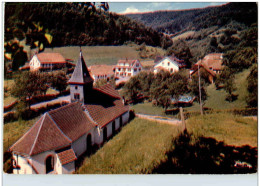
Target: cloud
x=130, y=10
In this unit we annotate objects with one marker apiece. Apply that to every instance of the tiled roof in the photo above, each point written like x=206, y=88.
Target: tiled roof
x=50, y=58
x=56, y=129
x=67, y=156
x=129, y=61
x=102, y=105
x=44, y=135
x=178, y=62
x=101, y=70
x=203, y=66
x=81, y=74
x=72, y=120
x=213, y=60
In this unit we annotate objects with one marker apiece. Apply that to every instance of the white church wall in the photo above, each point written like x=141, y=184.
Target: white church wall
x=68, y=168
x=125, y=117
x=25, y=168
x=80, y=145
x=117, y=123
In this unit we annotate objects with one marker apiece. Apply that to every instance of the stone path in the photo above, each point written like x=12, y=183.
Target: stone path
x=160, y=119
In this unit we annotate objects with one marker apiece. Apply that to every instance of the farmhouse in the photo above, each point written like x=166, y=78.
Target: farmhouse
x=101, y=72
x=128, y=68
x=170, y=63
x=48, y=61
x=210, y=65
x=59, y=137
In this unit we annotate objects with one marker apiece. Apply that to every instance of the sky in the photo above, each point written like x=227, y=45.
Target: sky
x=134, y=7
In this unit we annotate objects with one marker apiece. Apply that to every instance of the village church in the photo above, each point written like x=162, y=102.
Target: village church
x=60, y=136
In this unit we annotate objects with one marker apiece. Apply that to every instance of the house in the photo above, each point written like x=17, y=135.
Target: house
x=213, y=61
x=128, y=68
x=211, y=65
x=101, y=72
x=170, y=63
x=48, y=61
x=61, y=136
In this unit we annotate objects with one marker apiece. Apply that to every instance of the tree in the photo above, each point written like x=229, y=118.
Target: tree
x=132, y=89
x=252, y=87
x=59, y=81
x=194, y=88
x=26, y=85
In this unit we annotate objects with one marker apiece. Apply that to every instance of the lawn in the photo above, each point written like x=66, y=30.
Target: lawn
x=148, y=108
x=233, y=130
x=95, y=55
x=138, y=148
x=8, y=99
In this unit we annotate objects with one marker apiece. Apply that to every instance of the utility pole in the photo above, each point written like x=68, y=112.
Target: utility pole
x=201, y=108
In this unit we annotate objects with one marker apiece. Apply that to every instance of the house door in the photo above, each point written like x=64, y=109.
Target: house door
x=113, y=128
x=49, y=162
x=104, y=134
x=89, y=143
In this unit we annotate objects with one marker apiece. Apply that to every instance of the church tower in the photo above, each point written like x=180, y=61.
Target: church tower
x=80, y=82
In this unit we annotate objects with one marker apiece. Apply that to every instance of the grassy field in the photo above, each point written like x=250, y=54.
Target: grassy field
x=216, y=98
x=184, y=35
x=148, y=108
x=138, y=148
x=14, y=130
x=233, y=130
x=8, y=99
x=95, y=55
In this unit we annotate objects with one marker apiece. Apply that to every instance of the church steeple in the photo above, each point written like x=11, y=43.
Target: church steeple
x=80, y=82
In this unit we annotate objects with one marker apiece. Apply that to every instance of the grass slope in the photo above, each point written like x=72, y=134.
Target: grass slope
x=138, y=148
x=148, y=108
x=96, y=55
x=233, y=130
x=14, y=130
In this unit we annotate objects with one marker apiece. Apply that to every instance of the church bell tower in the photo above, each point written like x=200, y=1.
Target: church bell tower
x=80, y=82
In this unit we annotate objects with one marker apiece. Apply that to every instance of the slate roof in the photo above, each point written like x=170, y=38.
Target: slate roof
x=81, y=74
x=50, y=58
x=55, y=129
x=67, y=156
x=104, y=104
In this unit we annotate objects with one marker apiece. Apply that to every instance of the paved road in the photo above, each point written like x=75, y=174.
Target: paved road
x=160, y=119
x=56, y=100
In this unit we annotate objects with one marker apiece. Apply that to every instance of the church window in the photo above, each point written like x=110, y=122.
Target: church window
x=76, y=96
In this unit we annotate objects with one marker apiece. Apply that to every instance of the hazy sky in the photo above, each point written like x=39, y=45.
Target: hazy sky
x=128, y=7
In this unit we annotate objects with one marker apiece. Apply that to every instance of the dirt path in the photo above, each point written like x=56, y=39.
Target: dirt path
x=160, y=119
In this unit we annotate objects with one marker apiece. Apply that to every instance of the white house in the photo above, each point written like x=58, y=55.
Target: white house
x=60, y=136
x=170, y=63
x=47, y=61
x=99, y=72
x=128, y=68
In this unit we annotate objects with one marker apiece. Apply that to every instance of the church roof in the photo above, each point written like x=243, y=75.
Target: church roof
x=55, y=129
x=81, y=74
x=104, y=105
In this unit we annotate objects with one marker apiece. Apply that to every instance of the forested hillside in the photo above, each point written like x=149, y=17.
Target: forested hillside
x=75, y=24
x=196, y=19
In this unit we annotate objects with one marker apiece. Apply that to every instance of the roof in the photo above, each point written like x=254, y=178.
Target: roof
x=104, y=104
x=81, y=74
x=50, y=58
x=54, y=130
x=203, y=66
x=128, y=61
x=101, y=70
x=25, y=67
x=67, y=156
x=36, y=141
x=72, y=120
x=180, y=63
x=212, y=61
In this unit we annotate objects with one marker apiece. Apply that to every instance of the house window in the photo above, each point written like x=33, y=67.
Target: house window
x=49, y=163
x=76, y=87
x=129, y=70
x=171, y=70
x=76, y=96
x=135, y=70
x=119, y=69
x=137, y=64
x=162, y=63
x=168, y=63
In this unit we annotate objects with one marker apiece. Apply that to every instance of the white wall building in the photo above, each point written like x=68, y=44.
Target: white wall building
x=170, y=63
x=60, y=136
x=128, y=68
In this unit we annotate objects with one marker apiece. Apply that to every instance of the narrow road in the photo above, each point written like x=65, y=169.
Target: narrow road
x=160, y=119
x=56, y=100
